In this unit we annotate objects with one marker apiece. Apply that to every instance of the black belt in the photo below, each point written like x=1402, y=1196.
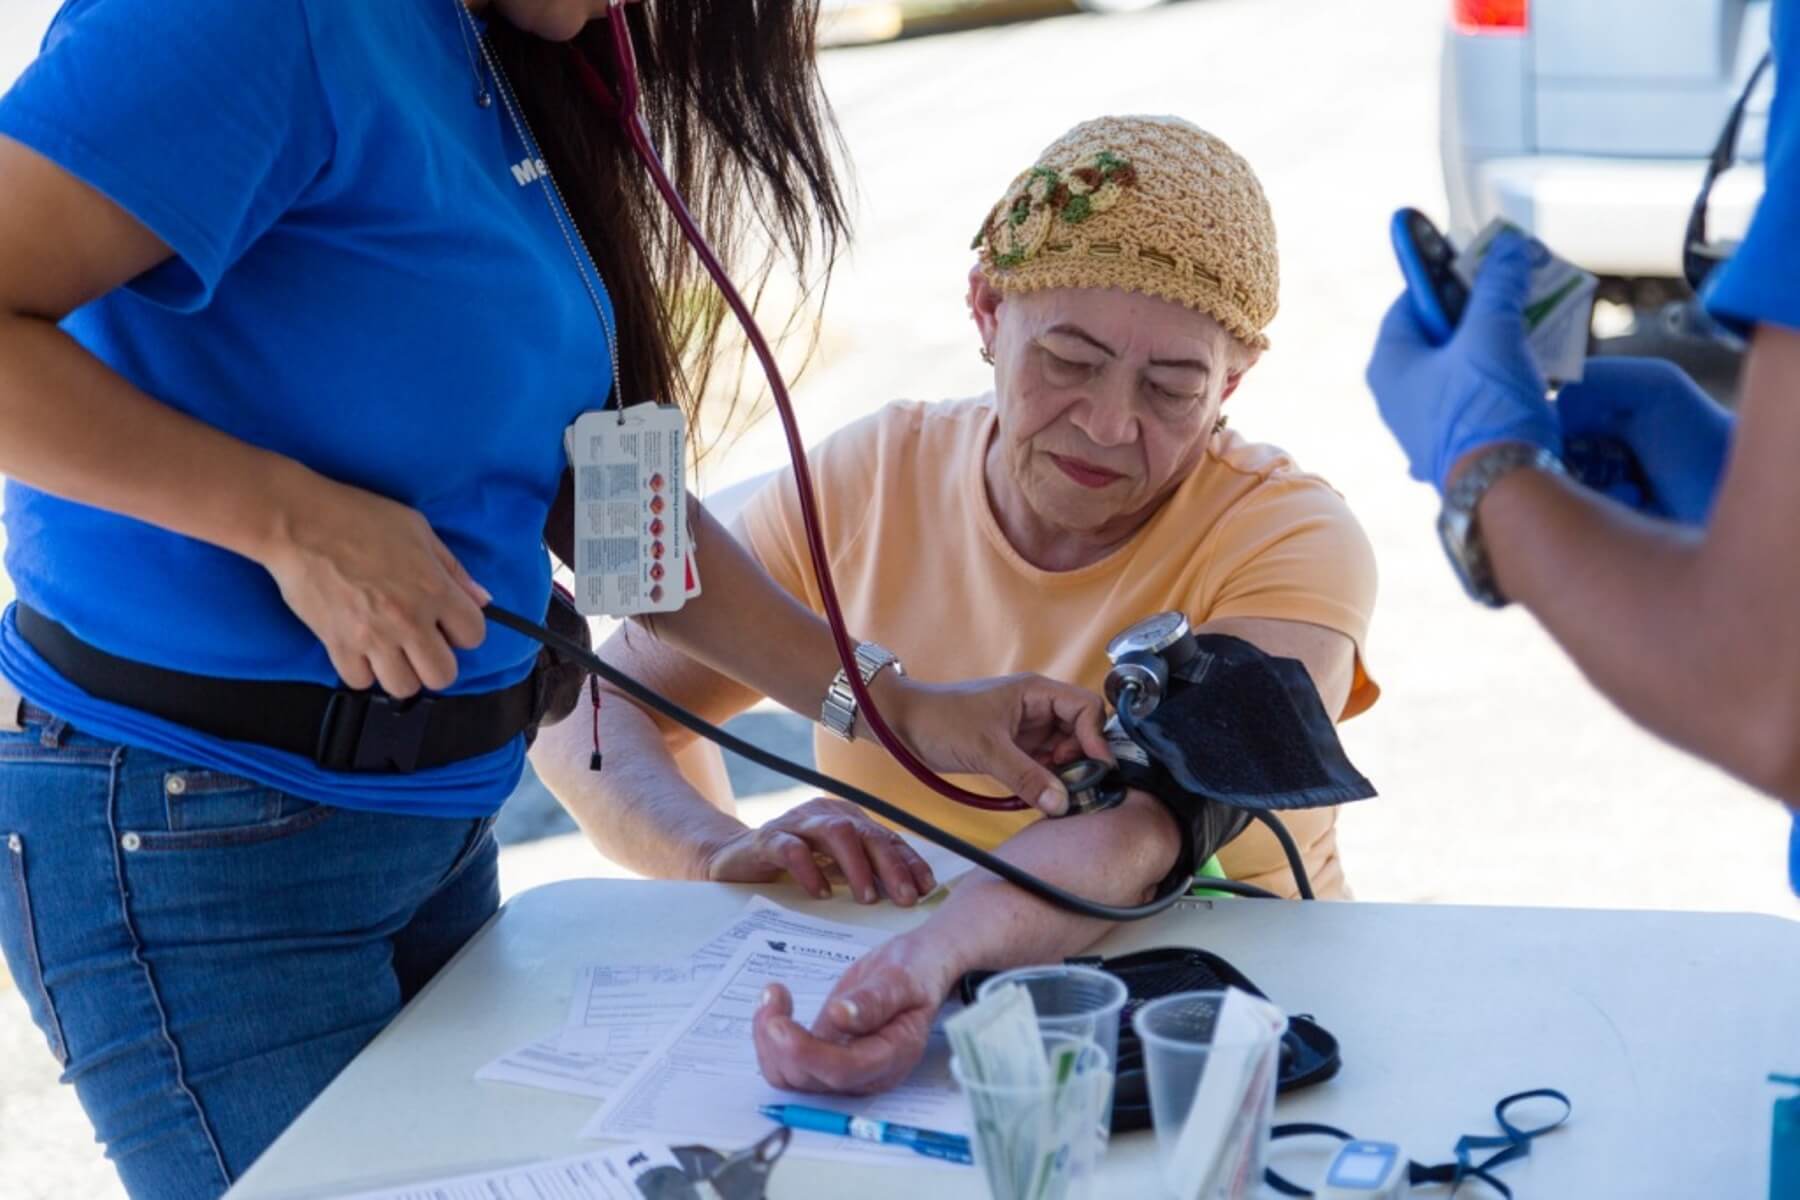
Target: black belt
x=338, y=729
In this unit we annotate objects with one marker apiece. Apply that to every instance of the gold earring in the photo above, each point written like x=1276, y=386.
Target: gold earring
x=987, y=355
x=1219, y=425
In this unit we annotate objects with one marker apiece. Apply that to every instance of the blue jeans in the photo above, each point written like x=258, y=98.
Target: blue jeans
x=203, y=953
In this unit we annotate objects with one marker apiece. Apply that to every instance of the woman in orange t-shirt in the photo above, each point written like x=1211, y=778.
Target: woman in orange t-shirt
x=1122, y=291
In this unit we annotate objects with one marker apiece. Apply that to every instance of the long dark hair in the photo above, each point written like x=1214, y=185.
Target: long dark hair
x=732, y=97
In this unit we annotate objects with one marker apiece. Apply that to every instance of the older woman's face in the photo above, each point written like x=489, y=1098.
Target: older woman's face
x=1106, y=398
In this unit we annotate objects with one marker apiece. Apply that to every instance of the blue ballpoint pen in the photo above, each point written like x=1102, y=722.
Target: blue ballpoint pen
x=950, y=1147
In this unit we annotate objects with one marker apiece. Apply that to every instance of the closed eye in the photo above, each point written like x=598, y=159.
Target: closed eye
x=1067, y=369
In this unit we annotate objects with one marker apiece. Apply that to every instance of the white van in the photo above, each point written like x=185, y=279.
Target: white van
x=1588, y=122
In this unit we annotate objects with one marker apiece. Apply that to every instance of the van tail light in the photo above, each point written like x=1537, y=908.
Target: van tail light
x=1490, y=16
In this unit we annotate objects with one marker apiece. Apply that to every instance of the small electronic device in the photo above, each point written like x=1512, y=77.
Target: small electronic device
x=1426, y=257
x=1366, y=1171
x=1438, y=298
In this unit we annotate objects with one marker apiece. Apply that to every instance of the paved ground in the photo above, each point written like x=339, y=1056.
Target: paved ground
x=1505, y=779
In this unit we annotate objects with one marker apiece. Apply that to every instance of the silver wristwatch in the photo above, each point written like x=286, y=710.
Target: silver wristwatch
x=839, y=711
x=1457, y=526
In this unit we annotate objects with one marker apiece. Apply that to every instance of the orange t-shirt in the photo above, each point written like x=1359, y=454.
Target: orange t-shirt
x=922, y=567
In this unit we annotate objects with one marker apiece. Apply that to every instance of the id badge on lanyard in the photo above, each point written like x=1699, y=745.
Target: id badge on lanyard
x=633, y=553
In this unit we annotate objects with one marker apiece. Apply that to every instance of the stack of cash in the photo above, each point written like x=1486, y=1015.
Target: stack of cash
x=1558, y=307
x=1036, y=1113
x=1219, y=1152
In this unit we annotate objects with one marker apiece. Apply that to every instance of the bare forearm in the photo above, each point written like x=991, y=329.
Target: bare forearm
x=71, y=426
x=1117, y=857
x=638, y=810
x=746, y=626
x=1640, y=608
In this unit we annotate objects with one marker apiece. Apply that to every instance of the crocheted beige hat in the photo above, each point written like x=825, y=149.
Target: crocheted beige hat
x=1146, y=204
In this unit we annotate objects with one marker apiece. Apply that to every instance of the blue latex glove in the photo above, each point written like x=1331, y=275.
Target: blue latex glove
x=1678, y=434
x=1478, y=388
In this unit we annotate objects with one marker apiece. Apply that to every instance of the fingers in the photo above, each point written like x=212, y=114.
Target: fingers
x=795, y=856
x=839, y=837
x=865, y=1007
x=898, y=867
x=394, y=672
x=1030, y=781
x=461, y=621
x=1088, y=728
x=1400, y=328
x=1503, y=281
x=432, y=661
x=772, y=1030
x=871, y=859
x=794, y=1058
x=474, y=591
x=352, y=668
x=1590, y=408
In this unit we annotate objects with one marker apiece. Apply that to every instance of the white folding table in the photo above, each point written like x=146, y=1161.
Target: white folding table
x=1660, y=1026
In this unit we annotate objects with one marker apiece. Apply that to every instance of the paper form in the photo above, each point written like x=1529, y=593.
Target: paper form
x=617, y=1014
x=702, y=1081
x=621, y=1173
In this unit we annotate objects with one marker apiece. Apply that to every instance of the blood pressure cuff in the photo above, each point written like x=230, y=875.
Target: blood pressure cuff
x=1246, y=729
x=1206, y=828
x=1309, y=1053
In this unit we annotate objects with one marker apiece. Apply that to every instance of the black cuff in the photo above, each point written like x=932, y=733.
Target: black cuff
x=1206, y=828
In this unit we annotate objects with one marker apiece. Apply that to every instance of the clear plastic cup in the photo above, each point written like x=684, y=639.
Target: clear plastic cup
x=1181, y=1038
x=1083, y=1001
x=1041, y=1143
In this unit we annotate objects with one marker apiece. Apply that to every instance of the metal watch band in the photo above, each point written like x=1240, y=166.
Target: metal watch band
x=1458, y=528
x=838, y=713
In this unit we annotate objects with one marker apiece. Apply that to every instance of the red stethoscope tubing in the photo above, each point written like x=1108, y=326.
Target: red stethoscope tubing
x=624, y=106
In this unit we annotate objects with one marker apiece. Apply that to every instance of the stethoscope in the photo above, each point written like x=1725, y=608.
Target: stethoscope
x=1699, y=256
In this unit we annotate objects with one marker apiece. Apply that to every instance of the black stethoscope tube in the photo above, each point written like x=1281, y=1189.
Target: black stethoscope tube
x=1041, y=888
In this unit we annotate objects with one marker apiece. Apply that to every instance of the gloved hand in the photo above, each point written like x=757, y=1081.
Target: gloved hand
x=1479, y=388
x=1677, y=432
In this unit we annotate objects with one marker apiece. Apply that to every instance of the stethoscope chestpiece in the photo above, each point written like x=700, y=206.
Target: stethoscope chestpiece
x=1093, y=786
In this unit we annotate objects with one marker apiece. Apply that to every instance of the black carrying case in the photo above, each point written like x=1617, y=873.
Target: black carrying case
x=1309, y=1053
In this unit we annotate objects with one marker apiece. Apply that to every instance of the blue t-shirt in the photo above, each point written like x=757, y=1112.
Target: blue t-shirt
x=367, y=277
x=1761, y=282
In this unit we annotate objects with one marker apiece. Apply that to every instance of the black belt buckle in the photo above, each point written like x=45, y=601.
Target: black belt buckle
x=366, y=731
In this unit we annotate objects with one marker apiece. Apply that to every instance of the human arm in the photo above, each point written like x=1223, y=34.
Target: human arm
x=986, y=924
x=873, y=1028
x=1691, y=630
x=640, y=812
x=746, y=626
x=367, y=575
x=1694, y=632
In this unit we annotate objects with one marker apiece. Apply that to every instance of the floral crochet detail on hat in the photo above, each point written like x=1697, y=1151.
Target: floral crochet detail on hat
x=1019, y=225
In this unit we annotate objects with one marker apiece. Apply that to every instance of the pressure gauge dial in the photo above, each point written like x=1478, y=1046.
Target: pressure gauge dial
x=1166, y=635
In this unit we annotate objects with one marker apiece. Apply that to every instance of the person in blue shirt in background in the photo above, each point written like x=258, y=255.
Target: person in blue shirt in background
x=292, y=322
x=1686, y=613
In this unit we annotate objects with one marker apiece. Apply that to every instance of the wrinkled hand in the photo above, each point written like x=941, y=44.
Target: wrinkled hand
x=869, y=855
x=869, y=1035
x=1479, y=388
x=1013, y=729
x=1678, y=434
x=371, y=579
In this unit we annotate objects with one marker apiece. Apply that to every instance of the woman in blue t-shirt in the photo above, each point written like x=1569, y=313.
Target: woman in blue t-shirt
x=294, y=312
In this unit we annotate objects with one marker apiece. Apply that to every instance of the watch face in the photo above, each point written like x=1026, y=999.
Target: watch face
x=1152, y=635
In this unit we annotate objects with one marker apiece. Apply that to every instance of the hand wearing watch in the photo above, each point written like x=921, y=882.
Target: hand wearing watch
x=1457, y=526
x=838, y=714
